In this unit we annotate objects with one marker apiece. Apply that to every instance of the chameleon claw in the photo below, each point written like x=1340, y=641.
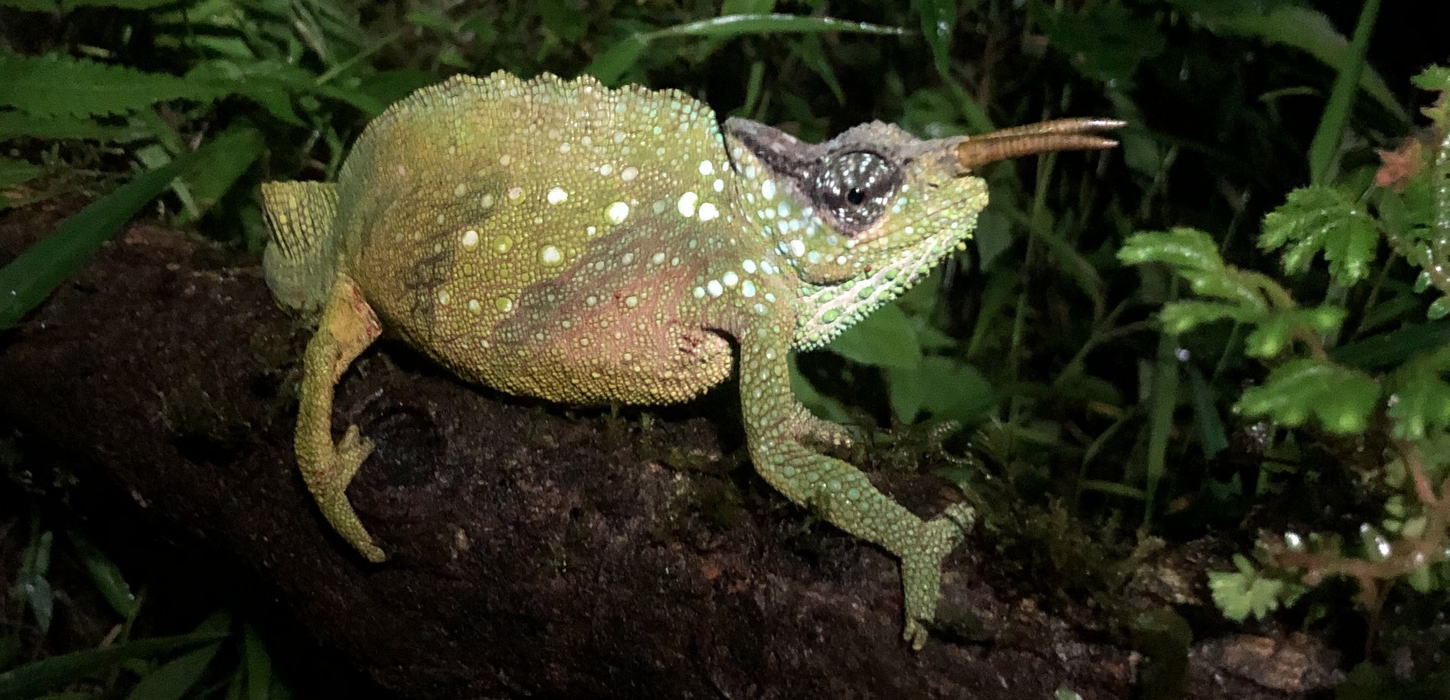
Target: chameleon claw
x=921, y=569
x=352, y=450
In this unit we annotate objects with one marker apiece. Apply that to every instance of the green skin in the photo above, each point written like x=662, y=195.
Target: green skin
x=586, y=245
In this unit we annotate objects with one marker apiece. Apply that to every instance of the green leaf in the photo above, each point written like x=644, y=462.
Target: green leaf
x=1194, y=256
x=1339, y=397
x=821, y=405
x=31, y=276
x=885, y=338
x=1182, y=316
x=258, y=664
x=15, y=123
x=563, y=18
x=742, y=25
x=53, y=85
x=611, y=65
x=1106, y=41
x=1435, y=78
x=35, y=678
x=812, y=53
x=174, y=679
x=1419, y=399
x=938, y=19
x=1240, y=594
x=14, y=172
x=1277, y=329
x=945, y=387
x=1300, y=27
x=1315, y=219
x=1393, y=348
x=1325, y=146
x=1211, y=435
x=232, y=154
x=1184, y=248
x=117, y=4
x=104, y=574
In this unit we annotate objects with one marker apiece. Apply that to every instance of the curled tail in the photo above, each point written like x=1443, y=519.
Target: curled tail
x=300, y=261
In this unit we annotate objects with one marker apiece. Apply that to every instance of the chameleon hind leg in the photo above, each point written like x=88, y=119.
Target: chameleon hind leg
x=780, y=432
x=348, y=326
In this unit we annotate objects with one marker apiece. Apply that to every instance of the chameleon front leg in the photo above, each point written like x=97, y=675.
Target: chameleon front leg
x=779, y=430
x=347, y=327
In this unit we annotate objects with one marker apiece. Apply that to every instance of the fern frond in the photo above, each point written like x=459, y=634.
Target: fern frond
x=52, y=86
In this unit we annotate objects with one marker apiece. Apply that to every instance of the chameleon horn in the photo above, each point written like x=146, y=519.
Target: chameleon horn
x=1043, y=137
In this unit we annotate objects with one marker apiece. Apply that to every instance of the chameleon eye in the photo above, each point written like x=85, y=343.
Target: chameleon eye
x=854, y=187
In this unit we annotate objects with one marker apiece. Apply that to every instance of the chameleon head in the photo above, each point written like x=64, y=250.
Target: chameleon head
x=862, y=217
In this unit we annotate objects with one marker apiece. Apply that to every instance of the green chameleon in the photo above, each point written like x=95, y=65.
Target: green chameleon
x=582, y=244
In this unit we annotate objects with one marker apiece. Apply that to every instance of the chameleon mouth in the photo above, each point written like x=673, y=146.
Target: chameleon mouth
x=1043, y=137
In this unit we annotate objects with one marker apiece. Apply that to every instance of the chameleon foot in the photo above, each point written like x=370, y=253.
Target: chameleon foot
x=921, y=569
x=822, y=433
x=331, y=493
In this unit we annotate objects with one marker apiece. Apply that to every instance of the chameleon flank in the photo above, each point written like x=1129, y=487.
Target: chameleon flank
x=582, y=244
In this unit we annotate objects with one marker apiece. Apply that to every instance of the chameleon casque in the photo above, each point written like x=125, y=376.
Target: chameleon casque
x=583, y=244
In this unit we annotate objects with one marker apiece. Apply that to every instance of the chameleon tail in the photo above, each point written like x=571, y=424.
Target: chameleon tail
x=299, y=262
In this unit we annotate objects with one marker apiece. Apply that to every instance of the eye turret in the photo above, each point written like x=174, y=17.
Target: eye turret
x=854, y=187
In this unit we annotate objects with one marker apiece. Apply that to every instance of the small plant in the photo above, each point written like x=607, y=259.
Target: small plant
x=1386, y=392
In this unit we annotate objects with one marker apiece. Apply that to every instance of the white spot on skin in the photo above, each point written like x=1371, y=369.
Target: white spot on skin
x=617, y=212
x=767, y=189
x=469, y=239
x=515, y=192
x=443, y=296
x=550, y=255
x=708, y=212
x=699, y=292
x=474, y=306
x=714, y=288
x=747, y=289
x=686, y=205
x=629, y=173
x=719, y=185
x=748, y=266
x=730, y=278
x=797, y=247
x=657, y=258
x=557, y=195
x=505, y=159
x=707, y=168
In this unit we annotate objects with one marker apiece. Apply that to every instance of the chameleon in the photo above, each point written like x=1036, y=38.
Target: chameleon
x=588, y=245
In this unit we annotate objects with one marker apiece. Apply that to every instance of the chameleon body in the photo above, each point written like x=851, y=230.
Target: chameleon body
x=582, y=244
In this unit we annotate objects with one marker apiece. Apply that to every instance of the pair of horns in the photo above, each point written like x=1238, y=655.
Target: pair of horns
x=1043, y=137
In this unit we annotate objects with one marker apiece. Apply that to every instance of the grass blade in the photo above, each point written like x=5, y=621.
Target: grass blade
x=33, y=679
x=32, y=276
x=619, y=58
x=175, y=678
x=1346, y=87
x=741, y=25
